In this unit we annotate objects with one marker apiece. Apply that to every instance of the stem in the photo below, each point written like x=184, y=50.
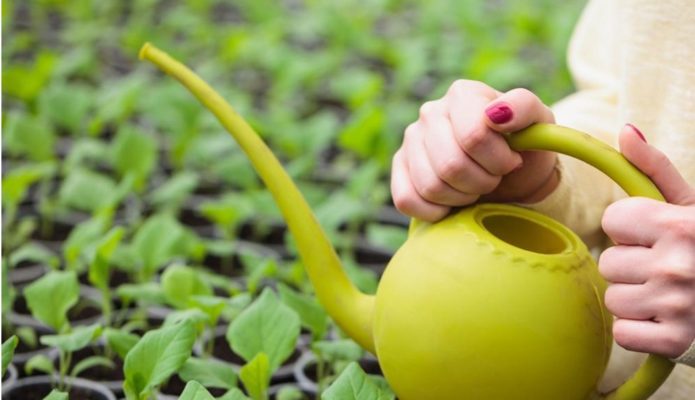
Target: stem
x=351, y=309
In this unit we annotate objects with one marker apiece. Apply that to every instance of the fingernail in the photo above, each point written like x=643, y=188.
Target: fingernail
x=499, y=113
x=637, y=132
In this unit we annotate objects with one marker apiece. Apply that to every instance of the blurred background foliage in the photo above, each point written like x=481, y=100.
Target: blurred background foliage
x=317, y=78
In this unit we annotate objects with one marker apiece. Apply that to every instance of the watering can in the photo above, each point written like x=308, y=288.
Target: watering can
x=494, y=302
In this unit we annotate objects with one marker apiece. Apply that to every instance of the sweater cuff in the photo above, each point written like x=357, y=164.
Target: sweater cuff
x=687, y=358
x=555, y=203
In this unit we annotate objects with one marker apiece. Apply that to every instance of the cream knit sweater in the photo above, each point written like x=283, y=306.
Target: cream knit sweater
x=632, y=61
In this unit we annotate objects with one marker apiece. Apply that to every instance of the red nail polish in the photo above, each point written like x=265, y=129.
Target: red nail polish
x=637, y=132
x=499, y=113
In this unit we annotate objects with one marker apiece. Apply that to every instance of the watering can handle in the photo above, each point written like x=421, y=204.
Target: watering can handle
x=654, y=371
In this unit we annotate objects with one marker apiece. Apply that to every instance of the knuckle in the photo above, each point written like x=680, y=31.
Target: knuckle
x=677, y=268
x=410, y=131
x=426, y=110
x=462, y=87
x=431, y=190
x=451, y=168
x=473, y=138
x=624, y=336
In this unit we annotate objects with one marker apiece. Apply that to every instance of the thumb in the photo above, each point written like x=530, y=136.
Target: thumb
x=656, y=166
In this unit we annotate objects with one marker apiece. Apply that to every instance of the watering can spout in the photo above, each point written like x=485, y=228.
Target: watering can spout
x=351, y=309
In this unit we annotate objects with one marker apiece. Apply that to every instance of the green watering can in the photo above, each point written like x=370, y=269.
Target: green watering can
x=495, y=302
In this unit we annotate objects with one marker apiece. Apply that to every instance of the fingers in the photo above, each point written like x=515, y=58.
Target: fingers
x=515, y=110
x=467, y=101
x=656, y=166
x=448, y=161
x=640, y=221
x=625, y=264
x=423, y=176
x=406, y=198
x=667, y=339
x=631, y=301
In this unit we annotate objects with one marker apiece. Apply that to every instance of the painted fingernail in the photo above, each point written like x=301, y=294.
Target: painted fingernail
x=637, y=132
x=499, y=113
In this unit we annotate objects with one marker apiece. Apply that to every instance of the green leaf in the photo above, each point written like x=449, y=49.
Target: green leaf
x=256, y=376
x=83, y=236
x=77, y=339
x=312, y=315
x=228, y=211
x=209, y=372
x=354, y=384
x=148, y=292
x=172, y=193
x=26, y=81
x=86, y=190
x=134, y=152
x=212, y=306
x=234, y=394
x=160, y=240
x=39, y=362
x=119, y=341
x=386, y=236
x=50, y=297
x=338, y=350
x=67, y=106
x=35, y=253
x=8, y=347
x=180, y=282
x=195, y=391
x=158, y=355
x=100, y=263
x=91, y=362
x=56, y=395
x=26, y=135
x=290, y=393
x=266, y=326
x=18, y=180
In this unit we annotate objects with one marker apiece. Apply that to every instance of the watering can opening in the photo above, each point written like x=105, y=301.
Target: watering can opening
x=526, y=230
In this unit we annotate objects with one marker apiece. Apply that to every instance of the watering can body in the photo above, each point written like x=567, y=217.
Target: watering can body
x=494, y=302
x=511, y=308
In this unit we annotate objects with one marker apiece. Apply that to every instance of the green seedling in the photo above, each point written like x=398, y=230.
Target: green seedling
x=68, y=343
x=264, y=335
x=158, y=355
x=8, y=347
x=160, y=240
x=354, y=384
x=134, y=153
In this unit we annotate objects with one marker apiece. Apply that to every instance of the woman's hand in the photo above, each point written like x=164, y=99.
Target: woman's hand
x=455, y=153
x=652, y=266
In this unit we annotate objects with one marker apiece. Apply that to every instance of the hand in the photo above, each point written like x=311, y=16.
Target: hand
x=652, y=266
x=455, y=153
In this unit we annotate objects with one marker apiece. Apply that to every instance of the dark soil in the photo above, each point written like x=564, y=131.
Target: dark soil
x=39, y=391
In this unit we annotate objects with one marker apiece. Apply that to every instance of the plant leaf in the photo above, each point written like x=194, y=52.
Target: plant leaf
x=134, y=152
x=100, y=263
x=56, y=395
x=180, y=282
x=8, y=347
x=25, y=135
x=172, y=193
x=354, y=384
x=156, y=357
x=338, y=350
x=195, y=391
x=312, y=315
x=266, y=326
x=86, y=190
x=39, y=362
x=79, y=338
x=50, y=297
x=256, y=376
x=234, y=394
x=91, y=362
x=120, y=341
x=209, y=372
